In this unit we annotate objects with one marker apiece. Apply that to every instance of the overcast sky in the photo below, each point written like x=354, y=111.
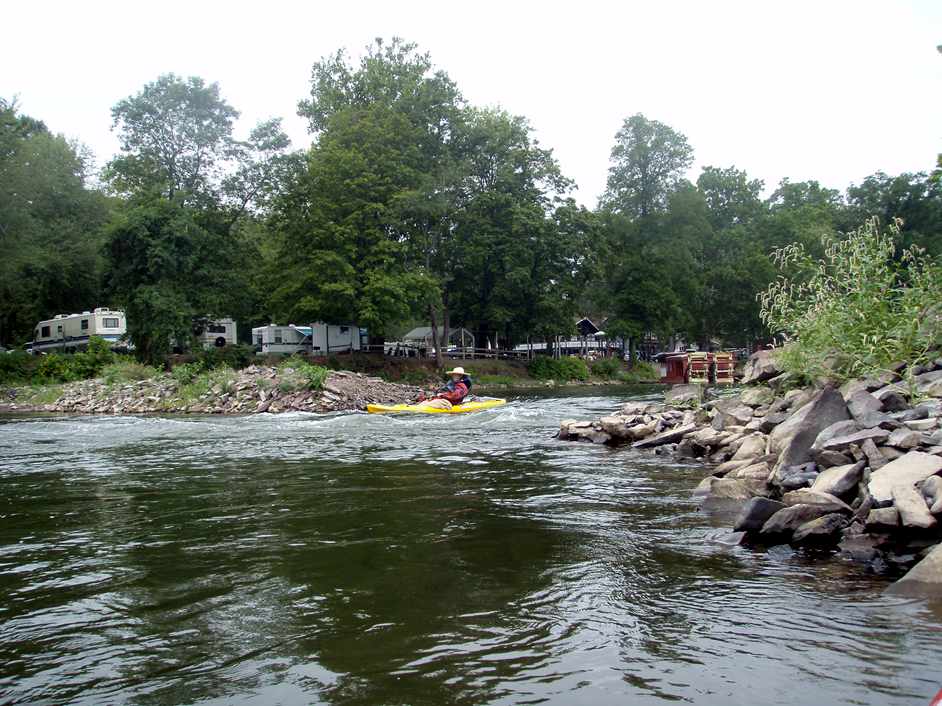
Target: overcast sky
x=832, y=91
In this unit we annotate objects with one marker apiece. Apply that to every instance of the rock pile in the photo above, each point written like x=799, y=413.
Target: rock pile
x=858, y=467
x=254, y=389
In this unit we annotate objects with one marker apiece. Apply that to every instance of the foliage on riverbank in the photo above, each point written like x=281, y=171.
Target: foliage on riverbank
x=859, y=310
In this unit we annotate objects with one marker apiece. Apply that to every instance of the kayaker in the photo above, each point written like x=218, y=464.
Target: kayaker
x=454, y=391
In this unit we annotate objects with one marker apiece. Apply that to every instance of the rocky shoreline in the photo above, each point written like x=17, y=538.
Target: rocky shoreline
x=252, y=390
x=857, y=468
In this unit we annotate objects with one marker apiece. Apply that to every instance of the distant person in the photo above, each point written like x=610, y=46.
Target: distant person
x=452, y=393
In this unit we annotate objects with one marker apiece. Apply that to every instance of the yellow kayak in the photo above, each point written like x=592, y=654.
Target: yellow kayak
x=418, y=409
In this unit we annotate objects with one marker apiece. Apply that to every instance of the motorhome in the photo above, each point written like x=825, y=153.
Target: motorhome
x=282, y=339
x=217, y=333
x=336, y=338
x=70, y=332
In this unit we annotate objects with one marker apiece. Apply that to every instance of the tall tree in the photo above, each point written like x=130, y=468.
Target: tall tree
x=50, y=225
x=649, y=158
x=914, y=198
x=175, y=135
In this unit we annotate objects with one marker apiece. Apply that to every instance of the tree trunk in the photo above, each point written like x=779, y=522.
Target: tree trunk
x=433, y=322
x=631, y=352
x=446, y=324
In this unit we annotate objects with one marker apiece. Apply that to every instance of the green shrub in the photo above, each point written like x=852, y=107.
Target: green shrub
x=186, y=373
x=606, y=368
x=564, y=369
x=642, y=371
x=234, y=357
x=18, y=366
x=856, y=311
x=298, y=374
x=126, y=370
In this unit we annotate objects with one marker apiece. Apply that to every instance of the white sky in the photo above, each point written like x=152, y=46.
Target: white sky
x=824, y=90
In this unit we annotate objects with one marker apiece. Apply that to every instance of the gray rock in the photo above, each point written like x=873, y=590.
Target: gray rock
x=729, y=466
x=792, y=439
x=912, y=508
x=931, y=489
x=732, y=412
x=924, y=380
x=921, y=424
x=684, y=394
x=915, y=413
x=915, y=466
x=827, y=459
x=933, y=389
x=883, y=519
x=860, y=548
x=842, y=443
x=873, y=420
x=760, y=366
x=904, y=439
x=838, y=429
x=890, y=453
x=875, y=458
x=753, y=446
x=755, y=513
x=862, y=402
x=893, y=398
x=729, y=489
x=772, y=420
x=839, y=479
x=754, y=471
x=925, y=578
x=757, y=396
x=788, y=519
x=824, y=529
x=668, y=437
x=807, y=496
x=798, y=479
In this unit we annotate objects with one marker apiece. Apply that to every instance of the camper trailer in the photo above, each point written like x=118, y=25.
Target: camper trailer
x=335, y=338
x=70, y=332
x=282, y=339
x=217, y=333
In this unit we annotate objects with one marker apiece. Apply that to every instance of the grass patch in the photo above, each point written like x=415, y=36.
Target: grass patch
x=39, y=394
x=297, y=374
x=220, y=381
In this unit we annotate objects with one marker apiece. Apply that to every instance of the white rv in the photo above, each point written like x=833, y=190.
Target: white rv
x=218, y=333
x=282, y=339
x=70, y=332
x=331, y=338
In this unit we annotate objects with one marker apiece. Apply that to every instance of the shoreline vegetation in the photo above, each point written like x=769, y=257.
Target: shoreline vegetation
x=208, y=384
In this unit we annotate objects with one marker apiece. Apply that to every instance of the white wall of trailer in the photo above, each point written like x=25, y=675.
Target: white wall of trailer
x=219, y=333
x=281, y=339
x=72, y=331
x=335, y=338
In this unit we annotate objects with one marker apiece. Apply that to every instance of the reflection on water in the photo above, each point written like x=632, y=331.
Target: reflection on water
x=357, y=559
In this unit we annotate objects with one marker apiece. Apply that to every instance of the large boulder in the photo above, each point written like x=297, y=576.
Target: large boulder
x=904, y=439
x=912, y=508
x=671, y=436
x=724, y=489
x=731, y=412
x=807, y=496
x=684, y=395
x=839, y=479
x=909, y=469
x=862, y=402
x=841, y=428
x=757, y=396
x=761, y=366
x=788, y=519
x=841, y=443
x=932, y=491
x=882, y=519
x=755, y=513
x=925, y=578
x=792, y=439
x=752, y=447
x=823, y=530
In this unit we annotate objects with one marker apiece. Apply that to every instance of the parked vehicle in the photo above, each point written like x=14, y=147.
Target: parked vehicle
x=67, y=333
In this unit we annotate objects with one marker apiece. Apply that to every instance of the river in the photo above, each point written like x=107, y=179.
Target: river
x=361, y=559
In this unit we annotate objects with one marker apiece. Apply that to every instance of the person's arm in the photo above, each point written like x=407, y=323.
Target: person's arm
x=455, y=396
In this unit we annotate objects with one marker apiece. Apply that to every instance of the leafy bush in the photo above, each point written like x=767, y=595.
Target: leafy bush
x=298, y=374
x=186, y=373
x=545, y=368
x=856, y=311
x=234, y=357
x=606, y=368
x=642, y=371
x=127, y=370
x=18, y=366
x=221, y=381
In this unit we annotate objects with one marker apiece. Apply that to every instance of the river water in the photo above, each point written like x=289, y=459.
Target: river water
x=361, y=559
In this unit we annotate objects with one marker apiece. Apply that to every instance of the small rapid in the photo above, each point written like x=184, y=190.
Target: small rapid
x=433, y=559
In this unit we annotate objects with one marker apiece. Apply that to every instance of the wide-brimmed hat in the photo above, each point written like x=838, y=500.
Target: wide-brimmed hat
x=457, y=371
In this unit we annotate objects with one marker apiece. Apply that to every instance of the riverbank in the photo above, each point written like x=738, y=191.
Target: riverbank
x=856, y=468
x=252, y=390
x=269, y=387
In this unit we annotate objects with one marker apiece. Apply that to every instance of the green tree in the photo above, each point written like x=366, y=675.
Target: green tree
x=50, y=225
x=914, y=198
x=648, y=160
